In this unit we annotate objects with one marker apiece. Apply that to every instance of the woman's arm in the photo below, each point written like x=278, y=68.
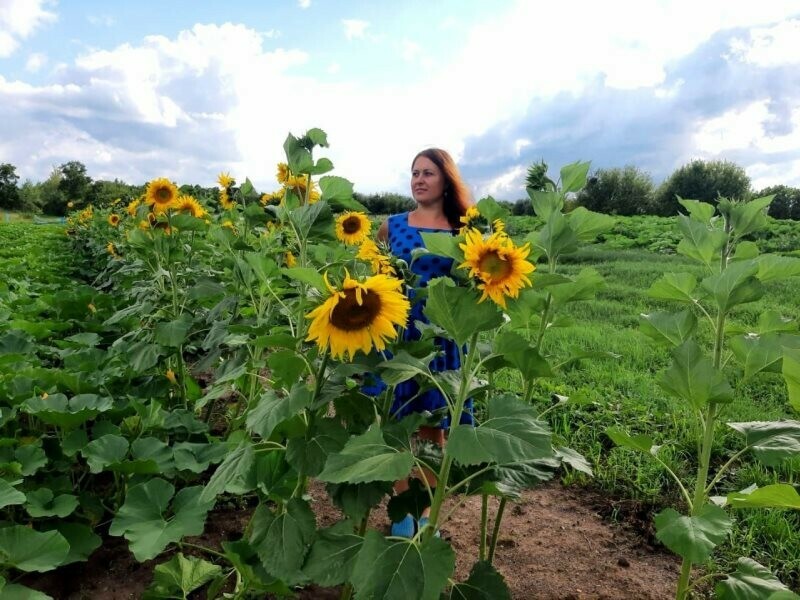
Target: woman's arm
x=383, y=232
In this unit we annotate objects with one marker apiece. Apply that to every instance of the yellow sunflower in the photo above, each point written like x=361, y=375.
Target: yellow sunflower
x=283, y=173
x=225, y=201
x=369, y=252
x=112, y=250
x=300, y=183
x=472, y=214
x=113, y=219
x=498, y=264
x=359, y=316
x=160, y=194
x=132, y=206
x=187, y=204
x=291, y=261
x=352, y=227
x=225, y=180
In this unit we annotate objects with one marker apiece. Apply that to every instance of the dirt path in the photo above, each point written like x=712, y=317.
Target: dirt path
x=553, y=545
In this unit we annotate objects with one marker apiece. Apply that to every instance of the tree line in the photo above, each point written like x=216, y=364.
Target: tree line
x=627, y=190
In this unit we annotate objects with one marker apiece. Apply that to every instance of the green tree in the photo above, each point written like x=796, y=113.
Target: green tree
x=30, y=198
x=51, y=197
x=75, y=184
x=786, y=204
x=626, y=191
x=702, y=180
x=9, y=194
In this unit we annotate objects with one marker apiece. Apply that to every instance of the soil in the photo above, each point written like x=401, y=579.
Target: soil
x=554, y=544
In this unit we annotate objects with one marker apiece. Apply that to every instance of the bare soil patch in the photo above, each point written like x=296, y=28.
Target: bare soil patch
x=554, y=544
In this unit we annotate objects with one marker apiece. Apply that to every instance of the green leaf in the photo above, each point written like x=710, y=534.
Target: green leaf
x=520, y=353
x=31, y=458
x=442, y=244
x=323, y=165
x=772, y=267
x=693, y=378
x=283, y=540
x=672, y=329
x=640, y=443
x=15, y=591
x=308, y=455
x=297, y=156
x=232, y=473
x=42, y=503
x=745, y=217
x=9, y=495
x=484, y=583
x=693, y=537
x=587, y=225
x=699, y=242
x=735, y=285
x=264, y=267
x=412, y=501
x=366, y=458
x=745, y=251
x=272, y=410
x=142, y=356
x=82, y=541
x=356, y=499
x=28, y=550
x=286, y=367
x=583, y=287
x=546, y=204
x=447, y=304
x=153, y=449
x=335, y=189
x=184, y=574
x=104, y=451
x=773, y=322
x=491, y=209
x=306, y=275
x=791, y=374
x=771, y=441
x=173, y=333
x=332, y=556
x=143, y=519
x=777, y=495
x=510, y=433
x=57, y=410
x=574, y=459
x=573, y=176
x=556, y=237
x=674, y=286
x=402, y=366
x=757, y=353
x=399, y=570
x=699, y=211
x=751, y=581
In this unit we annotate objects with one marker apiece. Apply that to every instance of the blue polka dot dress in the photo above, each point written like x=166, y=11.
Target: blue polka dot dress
x=403, y=239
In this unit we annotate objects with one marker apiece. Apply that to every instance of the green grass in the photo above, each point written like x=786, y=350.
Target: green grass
x=623, y=392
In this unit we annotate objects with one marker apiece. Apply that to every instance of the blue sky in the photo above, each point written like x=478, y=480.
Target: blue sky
x=187, y=89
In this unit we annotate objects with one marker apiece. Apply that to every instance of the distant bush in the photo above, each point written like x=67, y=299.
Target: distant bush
x=625, y=191
x=701, y=180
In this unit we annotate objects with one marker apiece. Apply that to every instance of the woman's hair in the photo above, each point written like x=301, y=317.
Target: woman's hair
x=456, y=193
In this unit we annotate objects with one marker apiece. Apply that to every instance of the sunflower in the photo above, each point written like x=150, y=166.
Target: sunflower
x=161, y=193
x=500, y=266
x=283, y=173
x=189, y=205
x=113, y=219
x=112, y=250
x=225, y=180
x=472, y=214
x=359, y=316
x=352, y=227
x=369, y=252
x=300, y=183
x=228, y=224
x=225, y=201
x=291, y=261
x=276, y=197
x=132, y=206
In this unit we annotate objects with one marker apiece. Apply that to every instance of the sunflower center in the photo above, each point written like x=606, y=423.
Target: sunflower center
x=495, y=265
x=351, y=225
x=349, y=315
x=163, y=195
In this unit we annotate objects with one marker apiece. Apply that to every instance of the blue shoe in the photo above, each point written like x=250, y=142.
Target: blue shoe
x=404, y=528
x=423, y=522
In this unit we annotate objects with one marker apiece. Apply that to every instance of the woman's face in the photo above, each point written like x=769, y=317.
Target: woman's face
x=427, y=181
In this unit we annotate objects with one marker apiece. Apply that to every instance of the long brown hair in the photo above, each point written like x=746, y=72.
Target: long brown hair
x=456, y=193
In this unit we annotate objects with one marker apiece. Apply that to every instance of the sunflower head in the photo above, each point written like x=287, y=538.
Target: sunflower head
x=161, y=193
x=133, y=206
x=113, y=219
x=225, y=201
x=112, y=250
x=359, y=316
x=352, y=227
x=225, y=180
x=283, y=173
x=380, y=263
x=498, y=265
x=187, y=204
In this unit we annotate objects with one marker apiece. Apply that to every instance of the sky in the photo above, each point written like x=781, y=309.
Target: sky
x=186, y=89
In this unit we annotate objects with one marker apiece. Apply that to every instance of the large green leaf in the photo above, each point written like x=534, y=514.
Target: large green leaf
x=16, y=591
x=357, y=499
x=573, y=176
x=182, y=574
x=791, y=373
x=57, y=410
x=447, y=305
x=587, y=225
x=391, y=569
x=272, y=410
x=104, y=451
x=699, y=242
x=308, y=454
x=147, y=524
x=693, y=537
x=771, y=441
x=82, y=541
x=520, y=353
x=777, y=495
x=43, y=503
x=557, y=237
x=442, y=244
x=28, y=550
x=282, y=540
x=668, y=328
x=510, y=433
x=367, y=458
x=674, y=286
x=402, y=366
x=757, y=353
x=751, y=581
x=286, y=367
x=298, y=156
x=172, y=333
x=693, y=378
x=197, y=457
x=546, y=203
x=640, y=443
x=232, y=473
x=31, y=458
x=9, y=495
x=483, y=583
x=735, y=285
x=491, y=209
x=332, y=556
x=772, y=267
x=582, y=287
x=699, y=211
x=745, y=217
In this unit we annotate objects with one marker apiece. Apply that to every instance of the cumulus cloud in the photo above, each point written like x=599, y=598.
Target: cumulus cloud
x=35, y=62
x=19, y=19
x=354, y=28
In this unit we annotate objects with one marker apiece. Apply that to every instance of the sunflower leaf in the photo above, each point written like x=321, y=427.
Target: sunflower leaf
x=447, y=304
x=366, y=458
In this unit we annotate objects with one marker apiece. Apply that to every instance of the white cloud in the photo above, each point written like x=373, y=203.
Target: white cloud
x=746, y=128
x=101, y=20
x=763, y=174
x=18, y=20
x=504, y=185
x=770, y=46
x=303, y=3
x=354, y=28
x=334, y=68
x=35, y=62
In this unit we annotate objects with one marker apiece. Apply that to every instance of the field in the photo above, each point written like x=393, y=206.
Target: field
x=159, y=387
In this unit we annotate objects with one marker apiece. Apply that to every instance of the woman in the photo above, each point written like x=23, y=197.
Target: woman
x=442, y=199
